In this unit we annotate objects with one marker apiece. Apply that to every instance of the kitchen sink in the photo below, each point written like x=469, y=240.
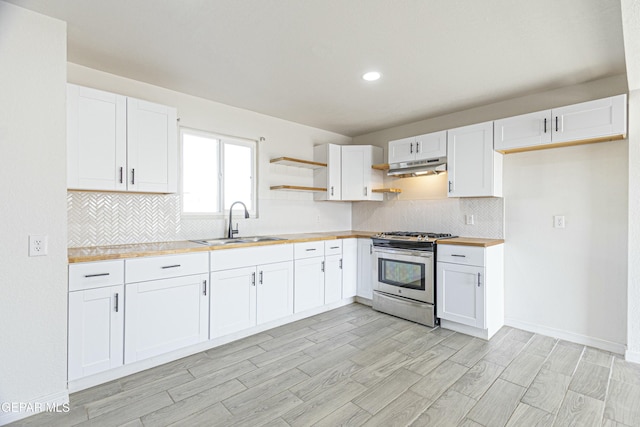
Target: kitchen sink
x=225, y=241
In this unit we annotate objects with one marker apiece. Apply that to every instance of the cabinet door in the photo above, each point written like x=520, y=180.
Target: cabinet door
x=471, y=161
x=593, y=119
x=334, y=173
x=431, y=145
x=309, y=284
x=332, y=279
x=274, y=291
x=96, y=334
x=233, y=301
x=460, y=294
x=365, y=268
x=402, y=150
x=152, y=147
x=353, y=173
x=527, y=130
x=165, y=315
x=349, y=268
x=96, y=139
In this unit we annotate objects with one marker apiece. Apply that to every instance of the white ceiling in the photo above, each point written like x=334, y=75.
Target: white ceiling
x=302, y=60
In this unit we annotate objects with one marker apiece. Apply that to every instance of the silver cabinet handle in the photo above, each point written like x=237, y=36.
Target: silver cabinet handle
x=116, y=305
x=253, y=279
x=411, y=148
x=371, y=249
x=556, y=123
x=332, y=190
x=340, y=265
x=96, y=275
x=461, y=256
x=121, y=174
x=417, y=147
x=334, y=247
x=450, y=185
x=365, y=191
x=545, y=125
x=478, y=279
x=260, y=278
x=322, y=266
x=133, y=176
x=170, y=266
x=311, y=249
x=204, y=287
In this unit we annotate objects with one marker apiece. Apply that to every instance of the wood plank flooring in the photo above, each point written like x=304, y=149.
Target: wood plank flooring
x=354, y=366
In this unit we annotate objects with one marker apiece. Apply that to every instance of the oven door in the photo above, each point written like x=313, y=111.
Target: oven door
x=404, y=273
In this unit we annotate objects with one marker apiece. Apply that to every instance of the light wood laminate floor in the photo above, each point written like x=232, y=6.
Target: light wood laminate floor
x=355, y=366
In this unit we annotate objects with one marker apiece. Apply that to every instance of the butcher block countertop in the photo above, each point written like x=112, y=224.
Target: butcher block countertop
x=101, y=253
x=470, y=241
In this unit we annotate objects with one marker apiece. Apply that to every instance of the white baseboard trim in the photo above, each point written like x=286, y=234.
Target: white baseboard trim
x=132, y=368
x=567, y=336
x=632, y=356
x=14, y=411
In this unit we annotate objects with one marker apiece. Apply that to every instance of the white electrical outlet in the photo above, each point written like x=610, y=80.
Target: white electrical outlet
x=469, y=219
x=558, y=221
x=38, y=245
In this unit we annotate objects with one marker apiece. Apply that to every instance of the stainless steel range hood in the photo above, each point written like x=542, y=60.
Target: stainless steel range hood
x=418, y=167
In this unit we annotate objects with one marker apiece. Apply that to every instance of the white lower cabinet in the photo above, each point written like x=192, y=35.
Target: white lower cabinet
x=96, y=317
x=96, y=334
x=349, y=268
x=332, y=279
x=309, y=283
x=470, y=289
x=365, y=269
x=169, y=313
x=248, y=294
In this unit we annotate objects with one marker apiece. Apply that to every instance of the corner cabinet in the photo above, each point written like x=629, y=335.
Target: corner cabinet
x=470, y=289
x=117, y=143
x=592, y=121
x=359, y=179
x=331, y=176
x=474, y=169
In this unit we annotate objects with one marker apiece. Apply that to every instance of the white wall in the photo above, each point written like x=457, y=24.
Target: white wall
x=33, y=305
x=279, y=211
x=570, y=284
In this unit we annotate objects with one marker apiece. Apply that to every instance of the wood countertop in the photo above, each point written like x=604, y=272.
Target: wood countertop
x=102, y=253
x=470, y=241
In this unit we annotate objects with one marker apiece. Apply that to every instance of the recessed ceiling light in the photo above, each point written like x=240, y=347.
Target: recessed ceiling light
x=371, y=76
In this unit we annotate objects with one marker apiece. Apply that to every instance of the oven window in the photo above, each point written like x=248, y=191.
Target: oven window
x=401, y=273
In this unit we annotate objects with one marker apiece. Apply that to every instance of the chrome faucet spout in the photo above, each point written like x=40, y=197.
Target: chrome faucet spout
x=231, y=232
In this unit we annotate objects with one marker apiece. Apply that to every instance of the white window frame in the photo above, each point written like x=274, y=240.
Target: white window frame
x=223, y=140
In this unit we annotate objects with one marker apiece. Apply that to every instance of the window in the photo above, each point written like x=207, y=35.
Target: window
x=216, y=171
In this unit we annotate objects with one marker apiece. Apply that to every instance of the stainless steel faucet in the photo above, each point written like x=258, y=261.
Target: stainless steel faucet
x=232, y=232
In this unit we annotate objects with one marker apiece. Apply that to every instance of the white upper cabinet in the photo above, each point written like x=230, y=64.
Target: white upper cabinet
x=331, y=176
x=474, y=169
x=358, y=178
x=591, y=121
x=115, y=143
x=427, y=146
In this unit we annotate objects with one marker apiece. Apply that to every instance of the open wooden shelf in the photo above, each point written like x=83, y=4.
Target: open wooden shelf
x=381, y=166
x=290, y=161
x=386, y=190
x=296, y=188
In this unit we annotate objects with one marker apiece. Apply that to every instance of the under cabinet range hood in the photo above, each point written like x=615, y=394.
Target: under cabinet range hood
x=418, y=167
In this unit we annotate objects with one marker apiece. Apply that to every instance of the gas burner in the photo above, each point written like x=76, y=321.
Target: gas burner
x=413, y=235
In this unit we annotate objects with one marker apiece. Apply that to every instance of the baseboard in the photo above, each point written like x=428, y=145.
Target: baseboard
x=54, y=402
x=141, y=365
x=567, y=336
x=632, y=356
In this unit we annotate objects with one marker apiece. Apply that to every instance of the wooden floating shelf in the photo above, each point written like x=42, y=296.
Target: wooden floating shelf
x=290, y=161
x=387, y=190
x=296, y=188
x=381, y=166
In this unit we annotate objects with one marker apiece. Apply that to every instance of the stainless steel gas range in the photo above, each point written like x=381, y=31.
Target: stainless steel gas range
x=404, y=274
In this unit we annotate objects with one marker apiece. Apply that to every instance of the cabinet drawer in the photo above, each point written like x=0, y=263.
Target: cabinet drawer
x=458, y=254
x=225, y=259
x=89, y=275
x=308, y=249
x=164, y=267
x=332, y=247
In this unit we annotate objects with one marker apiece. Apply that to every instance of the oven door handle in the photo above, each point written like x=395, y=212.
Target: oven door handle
x=424, y=254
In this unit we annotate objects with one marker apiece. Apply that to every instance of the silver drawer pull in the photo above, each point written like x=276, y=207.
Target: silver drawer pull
x=312, y=249
x=461, y=256
x=96, y=275
x=171, y=266
x=334, y=247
